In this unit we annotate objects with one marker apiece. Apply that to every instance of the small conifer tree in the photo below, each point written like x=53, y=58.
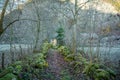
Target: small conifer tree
x=60, y=36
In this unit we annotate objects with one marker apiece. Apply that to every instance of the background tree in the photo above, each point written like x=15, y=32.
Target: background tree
x=74, y=10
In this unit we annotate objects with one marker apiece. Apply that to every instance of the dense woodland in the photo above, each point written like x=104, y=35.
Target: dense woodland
x=59, y=39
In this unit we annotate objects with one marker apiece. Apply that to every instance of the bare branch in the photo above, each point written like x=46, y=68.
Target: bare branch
x=70, y=9
x=14, y=22
x=81, y=5
x=55, y=9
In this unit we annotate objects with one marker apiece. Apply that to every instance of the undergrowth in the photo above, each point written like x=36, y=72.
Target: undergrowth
x=80, y=67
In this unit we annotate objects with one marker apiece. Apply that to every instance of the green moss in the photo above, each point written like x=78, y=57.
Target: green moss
x=9, y=76
x=65, y=75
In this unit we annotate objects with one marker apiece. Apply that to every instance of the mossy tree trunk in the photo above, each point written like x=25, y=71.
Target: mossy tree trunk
x=2, y=16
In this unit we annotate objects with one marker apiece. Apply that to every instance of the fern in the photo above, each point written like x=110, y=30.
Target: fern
x=46, y=46
x=64, y=50
x=99, y=72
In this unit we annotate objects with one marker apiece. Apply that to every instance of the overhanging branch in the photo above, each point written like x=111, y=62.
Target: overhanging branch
x=14, y=22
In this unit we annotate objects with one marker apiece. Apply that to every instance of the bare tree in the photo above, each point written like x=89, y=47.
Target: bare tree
x=38, y=24
x=74, y=11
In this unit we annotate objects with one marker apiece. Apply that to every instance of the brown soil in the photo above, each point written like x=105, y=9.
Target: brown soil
x=56, y=63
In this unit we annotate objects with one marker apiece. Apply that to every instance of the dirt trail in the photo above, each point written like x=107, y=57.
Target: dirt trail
x=56, y=63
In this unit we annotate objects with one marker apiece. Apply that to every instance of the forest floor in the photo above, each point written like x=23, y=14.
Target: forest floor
x=57, y=64
x=58, y=68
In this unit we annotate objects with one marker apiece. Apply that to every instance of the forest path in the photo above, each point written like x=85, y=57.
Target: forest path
x=56, y=63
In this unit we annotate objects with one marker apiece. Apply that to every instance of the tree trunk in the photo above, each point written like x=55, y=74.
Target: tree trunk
x=3, y=60
x=75, y=25
x=38, y=26
x=2, y=16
